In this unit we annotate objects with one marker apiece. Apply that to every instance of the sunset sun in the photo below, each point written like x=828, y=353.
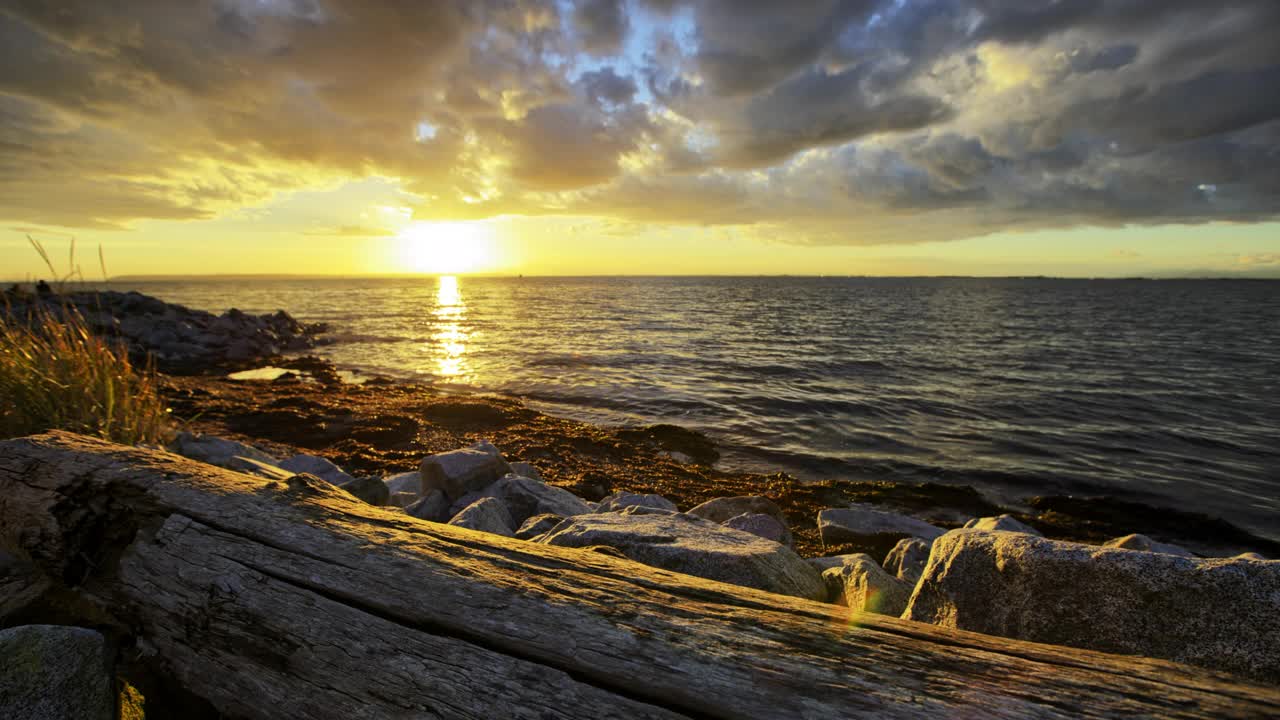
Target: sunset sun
x=446, y=247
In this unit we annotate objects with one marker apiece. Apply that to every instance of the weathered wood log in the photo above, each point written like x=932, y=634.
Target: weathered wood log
x=272, y=599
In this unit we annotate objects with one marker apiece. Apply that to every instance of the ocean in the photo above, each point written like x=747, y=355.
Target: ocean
x=1158, y=391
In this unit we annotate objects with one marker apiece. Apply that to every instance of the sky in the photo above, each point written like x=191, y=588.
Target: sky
x=567, y=137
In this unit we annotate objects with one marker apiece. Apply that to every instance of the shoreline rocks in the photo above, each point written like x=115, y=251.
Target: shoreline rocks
x=871, y=530
x=55, y=672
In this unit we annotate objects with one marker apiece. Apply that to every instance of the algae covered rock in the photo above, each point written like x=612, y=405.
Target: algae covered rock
x=53, y=672
x=1219, y=613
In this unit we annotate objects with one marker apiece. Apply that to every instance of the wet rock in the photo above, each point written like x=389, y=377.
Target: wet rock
x=525, y=498
x=721, y=509
x=433, y=507
x=463, y=471
x=485, y=515
x=369, y=489
x=249, y=466
x=1006, y=523
x=318, y=466
x=870, y=530
x=538, y=525
x=215, y=450
x=53, y=672
x=860, y=584
x=623, y=499
x=524, y=469
x=1146, y=544
x=691, y=545
x=907, y=559
x=1219, y=613
x=760, y=525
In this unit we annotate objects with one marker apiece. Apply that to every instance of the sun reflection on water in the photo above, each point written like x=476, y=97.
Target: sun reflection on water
x=451, y=334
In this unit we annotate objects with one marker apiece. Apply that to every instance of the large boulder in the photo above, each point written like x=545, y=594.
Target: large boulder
x=622, y=499
x=870, y=530
x=1219, y=613
x=369, y=489
x=691, y=545
x=53, y=672
x=525, y=497
x=761, y=525
x=462, y=471
x=407, y=482
x=485, y=515
x=907, y=559
x=317, y=466
x=1006, y=523
x=433, y=507
x=722, y=509
x=861, y=584
x=1146, y=544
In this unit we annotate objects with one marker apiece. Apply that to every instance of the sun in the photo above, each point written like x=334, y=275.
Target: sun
x=445, y=248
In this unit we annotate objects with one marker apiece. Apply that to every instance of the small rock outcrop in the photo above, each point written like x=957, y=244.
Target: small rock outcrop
x=1219, y=613
x=693, y=546
x=54, y=672
x=215, y=450
x=462, y=471
x=761, y=525
x=722, y=509
x=907, y=559
x=485, y=515
x=1146, y=544
x=859, y=583
x=525, y=498
x=1006, y=523
x=622, y=499
x=408, y=482
x=870, y=530
x=524, y=469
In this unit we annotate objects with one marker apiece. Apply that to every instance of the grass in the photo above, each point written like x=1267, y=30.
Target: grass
x=56, y=374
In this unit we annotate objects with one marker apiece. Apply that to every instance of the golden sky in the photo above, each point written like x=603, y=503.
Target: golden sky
x=642, y=136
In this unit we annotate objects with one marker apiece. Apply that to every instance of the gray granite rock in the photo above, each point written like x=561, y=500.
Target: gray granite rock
x=907, y=559
x=525, y=497
x=538, y=525
x=318, y=466
x=485, y=515
x=433, y=507
x=402, y=499
x=462, y=471
x=408, y=482
x=761, y=525
x=54, y=672
x=524, y=469
x=1146, y=544
x=1006, y=523
x=622, y=499
x=869, y=529
x=721, y=509
x=369, y=489
x=861, y=584
x=691, y=545
x=831, y=561
x=215, y=450
x=1220, y=613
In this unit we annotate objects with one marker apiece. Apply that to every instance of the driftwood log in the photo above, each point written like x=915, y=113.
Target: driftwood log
x=292, y=599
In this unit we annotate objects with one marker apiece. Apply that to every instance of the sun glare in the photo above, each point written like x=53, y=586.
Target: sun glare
x=446, y=247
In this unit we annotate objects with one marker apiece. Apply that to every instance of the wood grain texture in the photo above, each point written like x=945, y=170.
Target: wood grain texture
x=291, y=597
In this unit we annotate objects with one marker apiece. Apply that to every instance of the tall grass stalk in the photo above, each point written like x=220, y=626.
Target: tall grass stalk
x=56, y=374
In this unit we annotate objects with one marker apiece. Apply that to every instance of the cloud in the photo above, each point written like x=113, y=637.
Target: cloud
x=832, y=121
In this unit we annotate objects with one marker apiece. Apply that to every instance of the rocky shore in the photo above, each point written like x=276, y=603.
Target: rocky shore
x=1093, y=573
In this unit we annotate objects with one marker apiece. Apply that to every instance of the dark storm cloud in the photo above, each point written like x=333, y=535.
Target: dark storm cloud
x=937, y=118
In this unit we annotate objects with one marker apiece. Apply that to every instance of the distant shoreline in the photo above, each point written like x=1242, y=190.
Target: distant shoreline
x=274, y=277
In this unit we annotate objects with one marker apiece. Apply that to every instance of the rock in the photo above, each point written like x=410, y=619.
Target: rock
x=1250, y=556
x=678, y=456
x=832, y=561
x=760, y=525
x=645, y=510
x=1146, y=544
x=866, y=528
x=53, y=672
x=1219, y=613
x=907, y=559
x=1006, y=523
x=622, y=499
x=691, y=545
x=318, y=466
x=525, y=498
x=215, y=450
x=402, y=499
x=433, y=507
x=721, y=509
x=860, y=584
x=249, y=466
x=538, y=525
x=524, y=469
x=409, y=482
x=463, y=471
x=461, y=503
x=485, y=515
x=369, y=489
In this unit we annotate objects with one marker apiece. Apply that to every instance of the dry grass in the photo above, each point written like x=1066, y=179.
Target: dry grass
x=56, y=374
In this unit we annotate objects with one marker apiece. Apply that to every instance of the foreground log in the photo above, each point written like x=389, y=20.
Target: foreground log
x=272, y=599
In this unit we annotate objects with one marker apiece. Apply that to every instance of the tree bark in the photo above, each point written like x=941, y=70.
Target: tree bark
x=272, y=598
